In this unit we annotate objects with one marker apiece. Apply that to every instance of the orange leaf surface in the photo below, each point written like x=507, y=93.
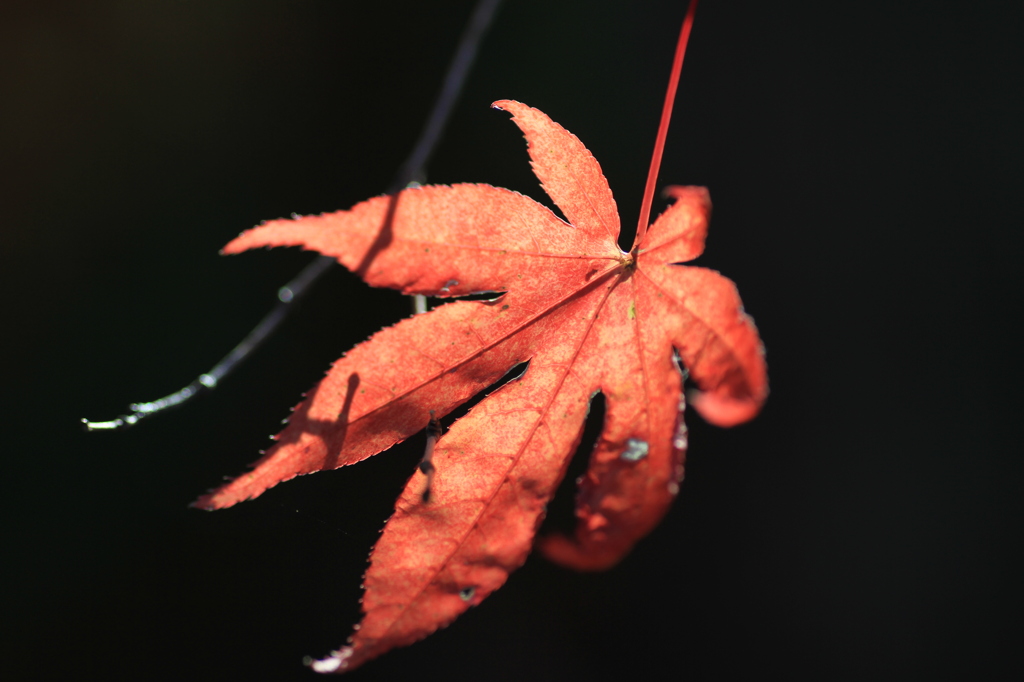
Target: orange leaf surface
x=586, y=316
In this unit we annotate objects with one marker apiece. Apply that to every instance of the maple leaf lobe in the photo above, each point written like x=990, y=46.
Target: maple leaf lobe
x=567, y=171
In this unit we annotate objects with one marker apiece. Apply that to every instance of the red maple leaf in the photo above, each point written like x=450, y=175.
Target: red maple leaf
x=585, y=315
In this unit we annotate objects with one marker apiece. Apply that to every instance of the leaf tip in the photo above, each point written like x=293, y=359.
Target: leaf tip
x=337, y=661
x=561, y=550
x=512, y=106
x=236, y=245
x=724, y=412
x=695, y=194
x=202, y=503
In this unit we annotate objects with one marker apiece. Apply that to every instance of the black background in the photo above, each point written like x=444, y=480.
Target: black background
x=864, y=160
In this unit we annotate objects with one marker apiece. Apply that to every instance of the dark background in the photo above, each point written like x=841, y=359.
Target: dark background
x=864, y=159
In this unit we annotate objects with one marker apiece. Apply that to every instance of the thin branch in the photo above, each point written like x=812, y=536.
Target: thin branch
x=412, y=170
x=427, y=463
